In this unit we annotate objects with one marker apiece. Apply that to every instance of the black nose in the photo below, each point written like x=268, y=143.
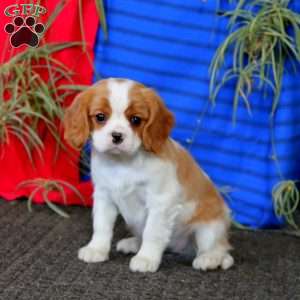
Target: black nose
x=117, y=137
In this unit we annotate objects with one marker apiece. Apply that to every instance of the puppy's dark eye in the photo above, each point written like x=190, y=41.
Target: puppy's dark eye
x=136, y=121
x=100, y=117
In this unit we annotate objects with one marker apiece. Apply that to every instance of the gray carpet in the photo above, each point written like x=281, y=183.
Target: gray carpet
x=38, y=260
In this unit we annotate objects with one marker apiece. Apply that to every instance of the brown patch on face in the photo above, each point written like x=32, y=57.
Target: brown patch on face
x=99, y=105
x=137, y=108
x=79, y=117
x=197, y=187
x=156, y=120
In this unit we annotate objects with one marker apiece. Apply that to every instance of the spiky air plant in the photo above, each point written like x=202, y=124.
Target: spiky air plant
x=263, y=35
x=27, y=98
x=286, y=197
x=286, y=193
x=102, y=16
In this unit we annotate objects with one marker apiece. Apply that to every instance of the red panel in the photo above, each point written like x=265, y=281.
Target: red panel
x=15, y=165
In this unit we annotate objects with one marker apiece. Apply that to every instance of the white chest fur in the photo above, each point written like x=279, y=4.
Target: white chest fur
x=138, y=185
x=125, y=183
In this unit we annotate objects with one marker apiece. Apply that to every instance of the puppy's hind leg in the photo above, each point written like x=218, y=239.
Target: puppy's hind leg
x=212, y=246
x=129, y=245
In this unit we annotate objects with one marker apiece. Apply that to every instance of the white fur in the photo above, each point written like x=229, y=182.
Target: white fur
x=210, y=252
x=129, y=245
x=145, y=190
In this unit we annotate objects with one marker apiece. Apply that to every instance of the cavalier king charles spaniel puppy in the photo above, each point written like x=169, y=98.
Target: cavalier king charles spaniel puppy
x=138, y=171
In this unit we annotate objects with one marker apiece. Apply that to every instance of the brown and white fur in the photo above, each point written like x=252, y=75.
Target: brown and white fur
x=165, y=198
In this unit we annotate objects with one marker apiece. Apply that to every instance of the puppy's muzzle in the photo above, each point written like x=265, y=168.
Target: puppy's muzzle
x=117, y=137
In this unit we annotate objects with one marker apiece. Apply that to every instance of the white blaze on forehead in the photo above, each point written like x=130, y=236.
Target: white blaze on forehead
x=119, y=94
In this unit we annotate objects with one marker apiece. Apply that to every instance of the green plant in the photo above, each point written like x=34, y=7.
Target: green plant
x=45, y=186
x=263, y=35
x=286, y=197
x=285, y=194
x=102, y=16
x=27, y=98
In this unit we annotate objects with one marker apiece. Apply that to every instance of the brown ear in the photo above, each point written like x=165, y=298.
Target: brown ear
x=159, y=125
x=76, y=119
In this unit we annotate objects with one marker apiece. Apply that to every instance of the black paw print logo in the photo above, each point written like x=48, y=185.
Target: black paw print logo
x=24, y=31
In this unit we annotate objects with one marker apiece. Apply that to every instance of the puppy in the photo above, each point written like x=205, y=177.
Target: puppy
x=138, y=171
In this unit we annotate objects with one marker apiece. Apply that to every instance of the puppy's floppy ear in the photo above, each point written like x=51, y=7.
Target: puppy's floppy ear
x=76, y=119
x=159, y=124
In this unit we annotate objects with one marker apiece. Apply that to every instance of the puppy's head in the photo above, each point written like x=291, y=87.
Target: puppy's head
x=121, y=116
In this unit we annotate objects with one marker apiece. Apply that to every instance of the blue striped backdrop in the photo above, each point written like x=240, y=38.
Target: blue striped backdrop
x=168, y=45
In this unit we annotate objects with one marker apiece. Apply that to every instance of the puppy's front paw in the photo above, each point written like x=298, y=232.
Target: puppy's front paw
x=210, y=261
x=92, y=255
x=143, y=264
x=129, y=245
